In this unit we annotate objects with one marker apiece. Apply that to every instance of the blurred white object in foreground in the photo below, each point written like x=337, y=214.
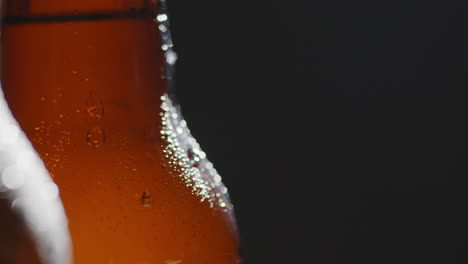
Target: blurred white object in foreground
x=26, y=185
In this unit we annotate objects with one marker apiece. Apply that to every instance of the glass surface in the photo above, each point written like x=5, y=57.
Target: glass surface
x=88, y=82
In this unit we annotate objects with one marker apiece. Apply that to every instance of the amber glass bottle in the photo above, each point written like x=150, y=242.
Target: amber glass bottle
x=87, y=82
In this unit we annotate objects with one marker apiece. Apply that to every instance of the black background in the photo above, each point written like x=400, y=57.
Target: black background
x=338, y=126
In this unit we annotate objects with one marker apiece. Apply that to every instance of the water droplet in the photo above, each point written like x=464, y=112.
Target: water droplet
x=163, y=28
x=95, y=137
x=194, y=157
x=94, y=106
x=75, y=34
x=217, y=178
x=74, y=71
x=146, y=199
x=42, y=99
x=224, y=190
x=209, y=166
x=171, y=57
x=161, y=17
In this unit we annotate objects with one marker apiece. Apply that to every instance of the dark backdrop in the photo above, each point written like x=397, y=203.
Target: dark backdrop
x=339, y=126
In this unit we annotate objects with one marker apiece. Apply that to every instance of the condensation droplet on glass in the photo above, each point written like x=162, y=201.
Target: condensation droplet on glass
x=224, y=190
x=75, y=34
x=171, y=57
x=209, y=165
x=194, y=157
x=146, y=199
x=163, y=28
x=217, y=178
x=95, y=137
x=94, y=106
x=161, y=17
x=185, y=159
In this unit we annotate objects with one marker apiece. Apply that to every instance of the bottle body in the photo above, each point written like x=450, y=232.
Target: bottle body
x=87, y=85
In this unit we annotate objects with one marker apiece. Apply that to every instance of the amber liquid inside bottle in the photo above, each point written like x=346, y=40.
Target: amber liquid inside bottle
x=85, y=80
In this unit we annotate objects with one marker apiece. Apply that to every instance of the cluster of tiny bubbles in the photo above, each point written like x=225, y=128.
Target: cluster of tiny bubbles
x=186, y=159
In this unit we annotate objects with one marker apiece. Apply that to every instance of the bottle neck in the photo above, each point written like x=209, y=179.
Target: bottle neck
x=79, y=65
